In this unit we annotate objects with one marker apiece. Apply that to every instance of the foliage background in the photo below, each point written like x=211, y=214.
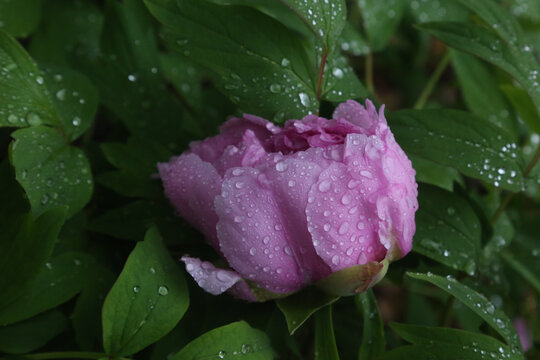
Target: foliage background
x=94, y=93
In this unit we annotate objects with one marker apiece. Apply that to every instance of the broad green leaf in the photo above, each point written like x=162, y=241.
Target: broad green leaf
x=279, y=10
x=325, y=341
x=66, y=28
x=481, y=92
x=19, y=17
x=51, y=172
x=298, y=307
x=25, y=242
x=380, y=20
x=527, y=273
x=25, y=245
x=415, y=352
x=516, y=59
x=447, y=229
x=271, y=76
x=458, y=139
x=147, y=300
x=24, y=99
x=234, y=340
x=74, y=97
x=137, y=164
x=185, y=76
x=478, y=303
x=441, y=10
x=498, y=18
x=126, y=73
x=353, y=42
x=131, y=221
x=526, y=9
x=86, y=316
x=138, y=155
x=459, y=343
x=340, y=81
x=326, y=19
x=524, y=106
x=33, y=333
x=432, y=173
x=373, y=340
x=60, y=279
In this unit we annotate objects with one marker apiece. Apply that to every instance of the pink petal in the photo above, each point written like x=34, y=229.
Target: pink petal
x=208, y=277
x=191, y=185
x=290, y=178
x=342, y=220
x=251, y=232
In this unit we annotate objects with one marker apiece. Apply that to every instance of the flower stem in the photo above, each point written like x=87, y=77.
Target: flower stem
x=324, y=57
x=509, y=197
x=432, y=82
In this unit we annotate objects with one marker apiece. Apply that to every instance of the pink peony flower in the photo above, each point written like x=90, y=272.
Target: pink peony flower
x=288, y=207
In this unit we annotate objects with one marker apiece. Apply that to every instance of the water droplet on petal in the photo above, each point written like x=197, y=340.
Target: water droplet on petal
x=325, y=185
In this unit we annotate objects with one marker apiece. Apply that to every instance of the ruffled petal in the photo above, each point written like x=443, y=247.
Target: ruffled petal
x=247, y=152
x=231, y=133
x=192, y=185
x=364, y=117
x=251, y=232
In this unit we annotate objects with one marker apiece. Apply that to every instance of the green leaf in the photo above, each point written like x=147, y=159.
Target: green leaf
x=33, y=333
x=131, y=221
x=137, y=156
x=24, y=99
x=481, y=92
x=524, y=106
x=447, y=229
x=19, y=17
x=353, y=42
x=517, y=60
x=458, y=139
x=147, y=300
x=297, y=308
x=325, y=19
x=373, y=340
x=442, y=10
x=527, y=273
x=457, y=344
x=498, y=18
x=340, y=81
x=137, y=163
x=74, y=98
x=272, y=76
x=86, y=315
x=54, y=175
x=236, y=339
x=432, y=173
x=67, y=27
x=25, y=245
x=25, y=242
x=126, y=73
x=325, y=341
x=478, y=303
x=380, y=20
x=59, y=280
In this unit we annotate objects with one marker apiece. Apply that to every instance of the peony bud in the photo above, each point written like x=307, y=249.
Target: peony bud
x=288, y=207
